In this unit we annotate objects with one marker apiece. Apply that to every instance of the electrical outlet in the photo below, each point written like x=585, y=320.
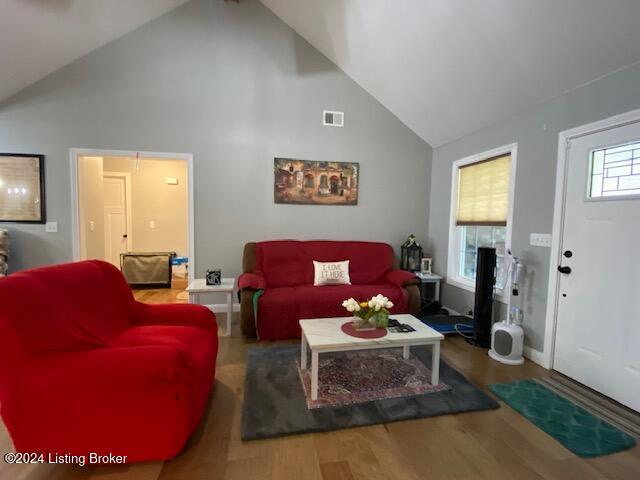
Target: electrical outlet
x=152, y=224
x=51, y=227
x=540, y=240
x=92, y=226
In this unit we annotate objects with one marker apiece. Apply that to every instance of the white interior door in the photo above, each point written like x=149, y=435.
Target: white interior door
x=116, y=233
x=598, y=316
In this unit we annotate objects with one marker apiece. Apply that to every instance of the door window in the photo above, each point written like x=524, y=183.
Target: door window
x=615, y=171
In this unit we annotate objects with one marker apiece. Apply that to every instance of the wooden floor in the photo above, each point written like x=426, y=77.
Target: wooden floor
x=495, y=444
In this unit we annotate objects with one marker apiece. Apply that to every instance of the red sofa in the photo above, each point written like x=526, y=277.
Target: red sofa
x=281, y=272
x=86, y=368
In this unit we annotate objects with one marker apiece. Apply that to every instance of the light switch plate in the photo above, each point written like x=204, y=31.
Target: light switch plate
x=152, y=224
x=540, y=240
x=51, y=227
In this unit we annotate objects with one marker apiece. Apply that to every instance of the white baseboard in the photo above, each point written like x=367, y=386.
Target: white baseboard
x=222, y=307
x=536, y=356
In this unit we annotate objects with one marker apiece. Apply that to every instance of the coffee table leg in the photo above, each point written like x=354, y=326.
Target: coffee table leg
x=314, y=375
x=435, y=363
x=405, y=352
x=303, y=352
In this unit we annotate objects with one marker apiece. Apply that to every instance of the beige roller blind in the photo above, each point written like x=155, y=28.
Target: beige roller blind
x=483, y=192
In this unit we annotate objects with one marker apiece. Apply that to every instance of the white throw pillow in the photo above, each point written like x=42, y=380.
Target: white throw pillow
x=331, y=273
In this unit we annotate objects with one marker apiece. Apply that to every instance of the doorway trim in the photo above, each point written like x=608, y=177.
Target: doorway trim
x=74, y=153
x=564, y=143
x=127, y=200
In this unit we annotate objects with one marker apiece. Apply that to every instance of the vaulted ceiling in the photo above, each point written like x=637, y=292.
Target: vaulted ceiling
x=443, y=67
x=38, y=37
x=450, y=67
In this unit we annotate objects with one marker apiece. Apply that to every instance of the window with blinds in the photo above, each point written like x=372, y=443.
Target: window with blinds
x=483, y=192
x=479, y=219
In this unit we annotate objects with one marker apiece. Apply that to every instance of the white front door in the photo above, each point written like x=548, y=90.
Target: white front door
x=598, y=316
x=116, y=236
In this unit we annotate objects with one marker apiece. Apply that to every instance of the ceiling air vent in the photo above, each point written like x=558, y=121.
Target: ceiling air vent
x=333, y=119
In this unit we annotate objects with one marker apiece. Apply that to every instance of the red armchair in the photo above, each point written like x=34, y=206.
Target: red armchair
x=276, y=288
x=85, y=368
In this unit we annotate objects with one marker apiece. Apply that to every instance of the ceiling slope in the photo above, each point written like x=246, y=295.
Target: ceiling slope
x=449, y=67
x=38, y=37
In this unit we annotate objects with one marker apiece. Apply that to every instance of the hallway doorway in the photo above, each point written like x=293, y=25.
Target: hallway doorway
x=132, y=202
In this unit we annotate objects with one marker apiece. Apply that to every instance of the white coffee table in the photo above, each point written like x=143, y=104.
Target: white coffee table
x=199, y=287
x=323, y=335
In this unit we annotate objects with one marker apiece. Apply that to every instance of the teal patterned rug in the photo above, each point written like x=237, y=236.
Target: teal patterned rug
x=580, y=431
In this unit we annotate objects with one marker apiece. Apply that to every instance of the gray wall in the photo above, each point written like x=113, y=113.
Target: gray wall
x=232, y=84
x=536, y=132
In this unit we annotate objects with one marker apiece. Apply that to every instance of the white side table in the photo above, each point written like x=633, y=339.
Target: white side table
x=199, y=287
x=431, y=278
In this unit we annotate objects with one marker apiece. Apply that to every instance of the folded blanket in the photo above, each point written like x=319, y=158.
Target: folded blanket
x=4, y=251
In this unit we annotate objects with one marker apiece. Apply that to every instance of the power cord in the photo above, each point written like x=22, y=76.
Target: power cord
x=461, y=333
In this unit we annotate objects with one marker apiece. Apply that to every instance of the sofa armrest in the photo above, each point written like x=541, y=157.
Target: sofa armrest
x=90, y=400
x=186, y=315
x=104, y=367
x=248, y=285
x=401, y=278
x=251, y=281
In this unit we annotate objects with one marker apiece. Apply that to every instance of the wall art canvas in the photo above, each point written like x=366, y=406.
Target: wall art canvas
x=308, y=182
x=22, y=188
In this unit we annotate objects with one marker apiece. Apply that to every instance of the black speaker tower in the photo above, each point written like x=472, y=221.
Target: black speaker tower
x=483, y=307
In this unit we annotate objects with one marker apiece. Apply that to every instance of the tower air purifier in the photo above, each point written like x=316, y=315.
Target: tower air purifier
x=483, y=305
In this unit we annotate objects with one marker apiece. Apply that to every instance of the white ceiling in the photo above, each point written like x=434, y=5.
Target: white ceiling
x=444, y=67
x=449, y=67
x=38, y=37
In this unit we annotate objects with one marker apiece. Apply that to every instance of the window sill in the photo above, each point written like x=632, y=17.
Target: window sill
x=465, y=285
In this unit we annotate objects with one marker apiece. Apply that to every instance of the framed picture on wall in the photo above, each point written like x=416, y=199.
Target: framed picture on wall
x=22, y=188
x=308, y=182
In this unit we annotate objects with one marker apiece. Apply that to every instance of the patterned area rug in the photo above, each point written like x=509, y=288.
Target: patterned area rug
x=274, y=401
x=355, y=377
x=581, y=432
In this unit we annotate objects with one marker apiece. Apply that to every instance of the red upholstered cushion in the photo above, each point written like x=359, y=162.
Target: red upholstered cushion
x=67, y=307
x=282, y=263
x=186, y=315
x=85, y=368
x=280, y=309
x=286, y=263
x=192, y=342
x=399, y=277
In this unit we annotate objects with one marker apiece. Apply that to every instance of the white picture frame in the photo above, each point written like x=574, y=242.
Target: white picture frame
x=425, y=265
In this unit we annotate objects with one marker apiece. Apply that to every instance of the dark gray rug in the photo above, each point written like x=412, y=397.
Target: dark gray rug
x=275, y=405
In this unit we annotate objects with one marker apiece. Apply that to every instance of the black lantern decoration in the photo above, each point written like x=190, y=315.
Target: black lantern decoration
x=411, y=254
